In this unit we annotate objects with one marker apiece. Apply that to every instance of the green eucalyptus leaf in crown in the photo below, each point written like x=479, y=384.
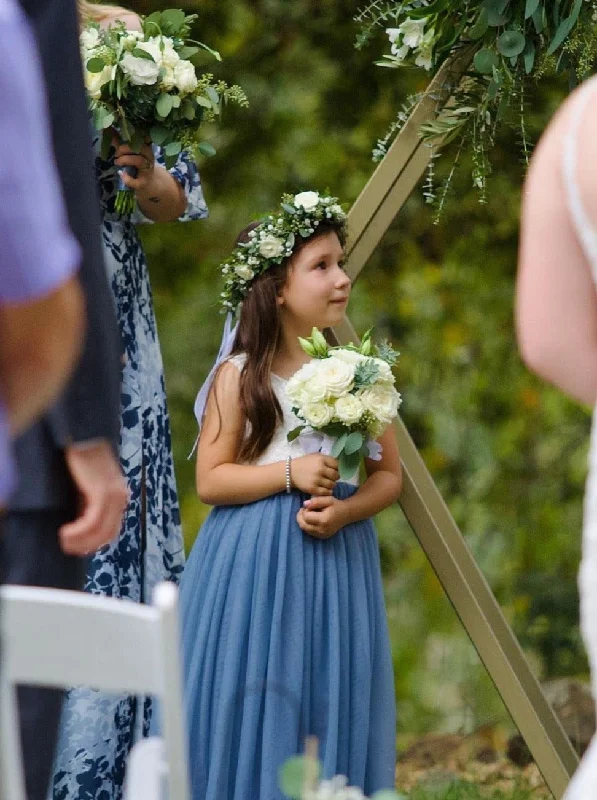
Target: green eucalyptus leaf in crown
x=513, y=44
x=274, y=239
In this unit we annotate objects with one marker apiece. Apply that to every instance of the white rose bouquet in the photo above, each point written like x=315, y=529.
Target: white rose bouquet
x=143, y=84
x=346, y=398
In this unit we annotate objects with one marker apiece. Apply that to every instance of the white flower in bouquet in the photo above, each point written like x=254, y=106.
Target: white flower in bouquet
x=336, y=375
x=306, y=200
x=141, y=71
x=185, y=77
x=89, y=39
x=385, y=371
x=317, y=414
x=425, y=53
x=412, y=31
x=169, y=56
x=95, y=80
x=349, y=409
x=381, y=401
x=271, y=247
x=349, y=356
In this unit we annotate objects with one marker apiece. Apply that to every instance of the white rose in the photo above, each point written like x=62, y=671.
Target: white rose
x=152, y=46
x=89, y=39
x=349, y=356
x=170, y=57
x=348, y=409
x=271, y=247
x=412, y=31
x=244, y=272
x=185, y=77
x=131, y=39
x=337, y=210
x=385, y=371
x=141, y=71
x=315, y=389
x=306, y=200
x=95, y=80
x=317, y=414
x=381, y=401
x=336, y=375
x=168, y=80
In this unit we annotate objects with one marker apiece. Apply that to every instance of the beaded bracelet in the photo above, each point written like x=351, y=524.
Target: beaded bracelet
x=288, y=481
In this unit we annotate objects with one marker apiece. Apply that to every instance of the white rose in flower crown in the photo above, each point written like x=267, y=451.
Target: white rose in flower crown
x=141, y=71
x=244, y=272
x=185, y=77
x=317, y=414
x=306, y=200
x=336, y=375
x=382, y=401
x=348, y=409
x=95, y=80
x=271, y=247
x=89, y=39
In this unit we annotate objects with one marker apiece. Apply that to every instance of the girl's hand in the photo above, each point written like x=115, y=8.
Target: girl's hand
x=314, y=474
x=321, y=517
x=144, y=161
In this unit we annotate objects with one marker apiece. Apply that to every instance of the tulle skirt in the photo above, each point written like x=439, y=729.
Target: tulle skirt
x=284, y=636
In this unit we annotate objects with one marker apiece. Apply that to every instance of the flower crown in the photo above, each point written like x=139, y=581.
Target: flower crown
x=274, y=240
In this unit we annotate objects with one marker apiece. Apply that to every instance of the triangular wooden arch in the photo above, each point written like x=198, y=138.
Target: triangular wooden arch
x=439, y=536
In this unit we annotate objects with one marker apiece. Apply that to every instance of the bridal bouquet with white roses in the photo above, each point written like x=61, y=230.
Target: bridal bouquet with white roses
x=346, y=398
x=143, y=84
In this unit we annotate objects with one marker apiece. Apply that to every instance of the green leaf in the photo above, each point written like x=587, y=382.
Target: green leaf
x=158, y=134
x=485, y=60
x=338, y=445
x=95, y=64
x=176, y=101
x=188, y=110
x=348, y=465
x=295, y=772
x=173, y=19
x=564, y=28
x=511, y=44
x=212, y=52
x=206, y=149
x=388, y=794
x=106, y=145
x=203, y=101
x=187, y=52
x=288, y=208
x=539, y=19
x=479, y=29
x=354, y=442
x=295, y=433
x=529, y=56
x=530, y=8
x=173, y=149
x=304, y=233
x=164, y=105
x=138, y=52
x=213, y=96
x=102, y=118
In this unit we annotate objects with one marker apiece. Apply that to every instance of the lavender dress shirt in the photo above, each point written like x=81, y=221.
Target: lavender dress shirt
x=37, y=249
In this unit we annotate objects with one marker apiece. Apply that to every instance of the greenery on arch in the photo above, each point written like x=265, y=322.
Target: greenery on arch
x=513, y=44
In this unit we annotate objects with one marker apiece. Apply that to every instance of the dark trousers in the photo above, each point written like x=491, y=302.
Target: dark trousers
x=32, y=556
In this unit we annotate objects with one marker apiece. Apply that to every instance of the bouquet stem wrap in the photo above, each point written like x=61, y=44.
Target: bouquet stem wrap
x=125, y=197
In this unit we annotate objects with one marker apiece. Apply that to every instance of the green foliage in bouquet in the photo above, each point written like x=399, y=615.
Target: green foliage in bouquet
x=512, y=43
x=143, y=84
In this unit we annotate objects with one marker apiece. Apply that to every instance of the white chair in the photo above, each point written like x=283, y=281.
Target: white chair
x=63, y=639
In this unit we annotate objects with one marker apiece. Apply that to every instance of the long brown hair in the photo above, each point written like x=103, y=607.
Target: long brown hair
x=259, y=337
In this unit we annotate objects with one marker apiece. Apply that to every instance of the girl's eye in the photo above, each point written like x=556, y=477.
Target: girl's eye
x=321, y=265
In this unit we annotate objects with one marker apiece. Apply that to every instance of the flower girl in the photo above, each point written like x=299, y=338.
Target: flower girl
x=283, y=617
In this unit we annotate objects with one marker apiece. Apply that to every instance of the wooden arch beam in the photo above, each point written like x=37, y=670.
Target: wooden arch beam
x=428, y=515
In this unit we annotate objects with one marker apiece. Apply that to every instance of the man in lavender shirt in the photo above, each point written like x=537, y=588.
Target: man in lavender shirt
x=38, y=253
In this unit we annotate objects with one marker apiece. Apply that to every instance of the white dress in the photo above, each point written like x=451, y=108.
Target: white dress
x=584, y=784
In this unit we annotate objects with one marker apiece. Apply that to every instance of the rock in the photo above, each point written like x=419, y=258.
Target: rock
x=573, y=703
x=432, y=749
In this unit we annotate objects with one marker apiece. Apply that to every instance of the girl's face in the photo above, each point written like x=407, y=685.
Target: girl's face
x=317, y=289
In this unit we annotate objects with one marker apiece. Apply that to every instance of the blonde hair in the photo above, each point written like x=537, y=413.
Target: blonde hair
x=95, y=12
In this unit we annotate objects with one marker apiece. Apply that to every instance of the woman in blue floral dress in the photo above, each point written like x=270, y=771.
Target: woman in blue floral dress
x=99, y=730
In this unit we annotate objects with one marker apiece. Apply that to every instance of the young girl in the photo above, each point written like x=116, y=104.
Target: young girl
x=284, y=625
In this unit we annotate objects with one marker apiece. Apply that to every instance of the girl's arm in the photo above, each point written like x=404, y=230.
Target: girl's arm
x=221, y=481
x=556, y=305
x=324, y=516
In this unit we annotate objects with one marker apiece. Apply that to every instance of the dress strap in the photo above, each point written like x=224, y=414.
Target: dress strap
x=585, y=231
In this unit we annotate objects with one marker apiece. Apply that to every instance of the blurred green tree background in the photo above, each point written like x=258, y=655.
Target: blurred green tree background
x=507, y=453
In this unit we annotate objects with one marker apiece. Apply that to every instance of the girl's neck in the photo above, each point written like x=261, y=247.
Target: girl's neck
x=290, y=356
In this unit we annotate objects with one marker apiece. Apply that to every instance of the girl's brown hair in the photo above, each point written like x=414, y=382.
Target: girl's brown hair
x=259, y=336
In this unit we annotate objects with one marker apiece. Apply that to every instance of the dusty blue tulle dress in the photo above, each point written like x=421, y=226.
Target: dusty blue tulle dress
x=284, y=636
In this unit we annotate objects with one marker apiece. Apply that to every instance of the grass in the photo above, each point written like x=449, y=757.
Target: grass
x=463, y=790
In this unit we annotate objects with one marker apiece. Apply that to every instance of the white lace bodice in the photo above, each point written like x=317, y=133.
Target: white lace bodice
x=279, y=447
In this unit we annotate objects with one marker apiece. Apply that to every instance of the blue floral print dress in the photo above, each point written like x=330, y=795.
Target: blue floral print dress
x=99, y=730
